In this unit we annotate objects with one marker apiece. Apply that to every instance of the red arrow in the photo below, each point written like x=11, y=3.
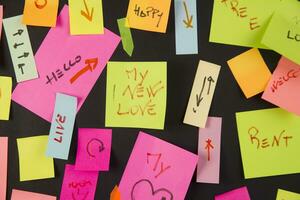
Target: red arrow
x=91, y=64
x=86, y=13
x=208, y=146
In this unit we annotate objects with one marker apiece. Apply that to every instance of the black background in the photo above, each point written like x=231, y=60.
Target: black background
x=228, y=100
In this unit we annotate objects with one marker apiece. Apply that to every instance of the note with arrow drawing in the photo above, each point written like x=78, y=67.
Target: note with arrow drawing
x=186, y=30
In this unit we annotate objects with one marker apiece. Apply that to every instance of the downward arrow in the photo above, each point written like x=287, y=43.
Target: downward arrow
x=189, y=19
x=86, y=13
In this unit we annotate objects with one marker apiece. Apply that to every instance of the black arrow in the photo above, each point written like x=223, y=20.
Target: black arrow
x=26, y=54
x=16, y=45
x=20, y=31
x=210, y=80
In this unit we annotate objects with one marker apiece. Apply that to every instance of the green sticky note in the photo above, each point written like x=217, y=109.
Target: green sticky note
x=286, y=195
x=283, y=32
x=269, y=141
x=136, y=94
x=33, y=163
x=241, y=22
x=125, y=33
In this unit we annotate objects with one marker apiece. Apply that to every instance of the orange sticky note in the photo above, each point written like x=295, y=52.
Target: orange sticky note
x=40, y=12
x=149, y=15
x=250, y=71
x=115, y=194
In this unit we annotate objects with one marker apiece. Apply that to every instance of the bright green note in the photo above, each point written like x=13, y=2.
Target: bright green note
x=269, y=142
x=241, y=22
x=126, y=36
x=283, y=32
x=136, y=94
x=286, y=195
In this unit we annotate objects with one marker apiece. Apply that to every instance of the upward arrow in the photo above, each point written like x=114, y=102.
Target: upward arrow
x=86, y=13
x=189, y=19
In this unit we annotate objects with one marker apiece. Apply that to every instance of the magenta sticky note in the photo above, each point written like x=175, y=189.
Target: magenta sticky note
x=237, y=194
x=284, y=86
x=157, y=170
x=66, y=64
x=78, y=184
x=93, y=150
x=209, y=150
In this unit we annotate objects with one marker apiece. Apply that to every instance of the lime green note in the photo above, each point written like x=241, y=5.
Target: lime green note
x=286, y=195
x=283, y=32
x=125, y=33
x=269, y=142
x=5, y=97
x=32, y=158
x=241, y=22
x=136, y=94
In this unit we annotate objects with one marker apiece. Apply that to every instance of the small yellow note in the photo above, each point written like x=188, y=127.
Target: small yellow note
x=5, y=97
x=286, y=195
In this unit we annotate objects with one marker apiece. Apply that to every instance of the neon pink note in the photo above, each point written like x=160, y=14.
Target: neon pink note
x=237, y=194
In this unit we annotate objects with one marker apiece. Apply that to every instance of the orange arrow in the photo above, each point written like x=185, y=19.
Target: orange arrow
x=189, y=19
x=91, y=64
x=87, y=13
x=115, y=194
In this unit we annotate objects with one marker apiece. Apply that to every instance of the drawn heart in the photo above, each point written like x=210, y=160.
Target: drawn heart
x=143, y=190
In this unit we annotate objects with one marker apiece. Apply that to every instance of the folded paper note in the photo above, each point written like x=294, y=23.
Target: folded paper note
x=149, y=15
x=250, y=71
x=93, y=151
x=62, y=125
x=209, y=150
x=3, y=166
x=78, y=184
x=33, y=163
x=5, y=97
x=241, y=22
x=286, y=195
x=269, y=142
x=283, y=32
x=186, y=30
x=40, y=12
x=24, y=195
x=86, y=17
x=125, y=33
x=66, y=64
x=157, y=170
x=284, y=86
x=136, y=94
x=202, y=94
x=237, y=194
x=20, y=49
x=1, y=18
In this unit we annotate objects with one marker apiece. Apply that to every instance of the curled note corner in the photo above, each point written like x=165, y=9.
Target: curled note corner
x=115, y=194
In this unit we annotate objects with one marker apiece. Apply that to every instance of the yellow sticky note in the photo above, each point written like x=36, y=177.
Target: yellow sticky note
x=250, y=71
x=149, y=15
x=40, y=12
x=286, y=195
x=86, y=17
x=5, y=97
x=33, y=162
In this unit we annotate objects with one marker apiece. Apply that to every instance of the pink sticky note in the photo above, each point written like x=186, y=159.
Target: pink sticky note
x=66, y=64
x=157, y=170
x=78, y=184
x=3, y=166
x=237, y=194
x=284, y=86
x=1, y=18
x=209, y=149
x=93, y=151
x=23, y=195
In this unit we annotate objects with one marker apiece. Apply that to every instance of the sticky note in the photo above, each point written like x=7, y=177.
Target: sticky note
x=136, y=94
x=20, y=49
x=250, y=71
x=240, y=194
x=78, y=63
x=186, y=28
x=283, y=32
x=115, y=194
x=126, y=36
x=93, y=150
x=209, y=150
x=86, y=17
x=62, y=125
x=3, y=166
x=241, y=22
x=40, y=12
x=269, y=142
x=33, y=163
x=5, y=97
x=78, y=184
x=286, y=195
x=21, y=195
x=1, y=18
x=202, y=94
x=164, y=170
x=148, y=15
x=284, y=86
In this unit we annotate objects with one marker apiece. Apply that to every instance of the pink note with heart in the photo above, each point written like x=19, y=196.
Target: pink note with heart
x=237, y=194
x=78, y=184
x=93, y=150
x=66, y=64
x=157, y=170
